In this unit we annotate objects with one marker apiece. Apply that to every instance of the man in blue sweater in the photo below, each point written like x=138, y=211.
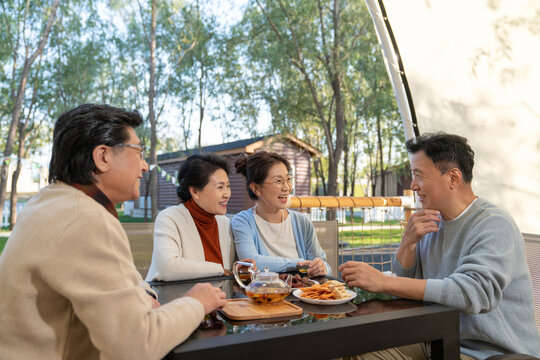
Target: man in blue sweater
x=461, y=251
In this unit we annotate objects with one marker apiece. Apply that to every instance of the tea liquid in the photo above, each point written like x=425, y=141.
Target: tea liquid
x=269, y=296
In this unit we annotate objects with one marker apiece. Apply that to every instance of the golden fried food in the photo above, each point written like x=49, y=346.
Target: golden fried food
x=331, y=290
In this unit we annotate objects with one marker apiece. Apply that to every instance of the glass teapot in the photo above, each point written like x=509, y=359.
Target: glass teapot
x=265, y=287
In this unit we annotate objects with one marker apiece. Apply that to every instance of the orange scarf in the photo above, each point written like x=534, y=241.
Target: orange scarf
x=207, y=226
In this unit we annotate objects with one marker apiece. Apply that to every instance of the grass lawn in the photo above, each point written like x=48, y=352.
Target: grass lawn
x=129, y=219
x=360, y=221
x=371, y=237
x=3, y=240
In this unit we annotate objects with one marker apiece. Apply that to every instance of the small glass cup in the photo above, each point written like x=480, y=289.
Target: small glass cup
x=302, y=267
x=244, y=275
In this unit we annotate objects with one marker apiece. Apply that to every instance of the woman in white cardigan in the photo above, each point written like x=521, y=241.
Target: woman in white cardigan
x=193, y=239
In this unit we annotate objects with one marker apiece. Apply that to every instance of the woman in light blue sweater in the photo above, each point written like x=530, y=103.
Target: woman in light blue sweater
x=269, y=233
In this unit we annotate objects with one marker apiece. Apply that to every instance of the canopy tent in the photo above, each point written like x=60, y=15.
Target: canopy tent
x=471, y=68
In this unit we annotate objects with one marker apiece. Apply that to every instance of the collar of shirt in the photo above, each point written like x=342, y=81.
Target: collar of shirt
x=93, y=191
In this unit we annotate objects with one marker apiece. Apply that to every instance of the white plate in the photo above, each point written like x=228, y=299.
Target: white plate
x=352, y=295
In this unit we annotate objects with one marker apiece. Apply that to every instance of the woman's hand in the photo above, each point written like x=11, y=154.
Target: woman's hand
x=243, y=267
x=317, y=267
x=252, y=262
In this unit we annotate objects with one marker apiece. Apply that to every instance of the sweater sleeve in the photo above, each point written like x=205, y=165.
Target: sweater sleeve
x=248, y=245
x=168, y=259
x=483, y=272
x=92, y=268
x=400, y=270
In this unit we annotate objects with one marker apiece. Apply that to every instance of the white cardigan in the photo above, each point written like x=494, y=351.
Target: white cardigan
x=178, y=252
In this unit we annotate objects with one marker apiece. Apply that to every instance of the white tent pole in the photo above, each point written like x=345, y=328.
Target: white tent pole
x=392, y=67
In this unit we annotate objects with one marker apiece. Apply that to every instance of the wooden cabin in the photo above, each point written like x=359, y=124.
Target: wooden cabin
x=295, y=150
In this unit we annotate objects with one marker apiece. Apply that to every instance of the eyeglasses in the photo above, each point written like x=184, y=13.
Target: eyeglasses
x=278, y=184
x=133, y=146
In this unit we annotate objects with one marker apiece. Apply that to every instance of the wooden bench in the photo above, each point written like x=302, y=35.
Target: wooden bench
x=141, y=237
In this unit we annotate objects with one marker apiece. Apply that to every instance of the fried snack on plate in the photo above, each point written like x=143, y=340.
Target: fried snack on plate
x=331, y=290
x=338, y=289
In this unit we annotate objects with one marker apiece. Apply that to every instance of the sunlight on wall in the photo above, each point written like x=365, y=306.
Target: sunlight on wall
x=473, y=70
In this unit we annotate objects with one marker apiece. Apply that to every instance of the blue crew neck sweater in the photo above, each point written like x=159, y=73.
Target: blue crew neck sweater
x=477, y=263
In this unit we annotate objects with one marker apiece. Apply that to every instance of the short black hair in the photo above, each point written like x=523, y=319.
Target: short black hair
x=196, y=171
x=78, y=132
x=256, y=166
x=446, y=151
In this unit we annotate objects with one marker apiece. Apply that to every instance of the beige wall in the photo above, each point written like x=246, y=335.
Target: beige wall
x=473, y=68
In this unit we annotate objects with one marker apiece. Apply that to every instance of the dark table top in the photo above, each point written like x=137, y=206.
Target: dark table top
x=369, y=322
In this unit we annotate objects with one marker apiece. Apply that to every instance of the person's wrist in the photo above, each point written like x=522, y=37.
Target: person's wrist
x=408, y=244
x=386, y=283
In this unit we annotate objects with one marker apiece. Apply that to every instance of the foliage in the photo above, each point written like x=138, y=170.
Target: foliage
x=317, y=67
x=314, y=66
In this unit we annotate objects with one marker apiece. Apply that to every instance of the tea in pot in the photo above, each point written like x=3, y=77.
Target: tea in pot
x=265, y=287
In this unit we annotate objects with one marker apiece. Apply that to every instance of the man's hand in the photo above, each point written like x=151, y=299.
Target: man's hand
x=359, y=274
x=210, y=297
x=421, y=223
x=365, y=277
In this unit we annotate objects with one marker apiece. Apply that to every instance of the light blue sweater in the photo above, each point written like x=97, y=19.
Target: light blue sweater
x=476, y=263
x=249, y=244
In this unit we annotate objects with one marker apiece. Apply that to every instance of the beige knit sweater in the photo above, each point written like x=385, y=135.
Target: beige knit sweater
x=178, y=251
x=69, y=288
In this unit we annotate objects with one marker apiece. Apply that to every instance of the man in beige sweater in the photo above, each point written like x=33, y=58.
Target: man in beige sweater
x=68, y=285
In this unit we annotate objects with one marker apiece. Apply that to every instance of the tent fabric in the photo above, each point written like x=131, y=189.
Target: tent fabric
x=472, y=70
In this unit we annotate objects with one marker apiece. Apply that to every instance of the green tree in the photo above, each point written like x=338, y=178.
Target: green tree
x=304, y=60
x=159, y=35
x=28, y=28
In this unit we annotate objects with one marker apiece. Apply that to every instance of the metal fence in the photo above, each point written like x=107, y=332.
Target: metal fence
x=5, y=214
x=369, y=229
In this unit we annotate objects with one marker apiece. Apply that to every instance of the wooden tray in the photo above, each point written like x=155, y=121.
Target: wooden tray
x=244, y=309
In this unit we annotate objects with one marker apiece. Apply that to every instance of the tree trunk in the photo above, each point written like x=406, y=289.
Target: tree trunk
x=14, y=197
x=353, y=172
x=372, y=168
x=336, y=83
x=153, y=183
x=354, y=140
x=201, y=105
x=318, y=169
x=15, y=177
x=18, y=101
x=146, y=194
x=346, y=166
x=381, y=161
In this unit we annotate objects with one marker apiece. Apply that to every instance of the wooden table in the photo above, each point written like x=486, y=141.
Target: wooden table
x=371, y=322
